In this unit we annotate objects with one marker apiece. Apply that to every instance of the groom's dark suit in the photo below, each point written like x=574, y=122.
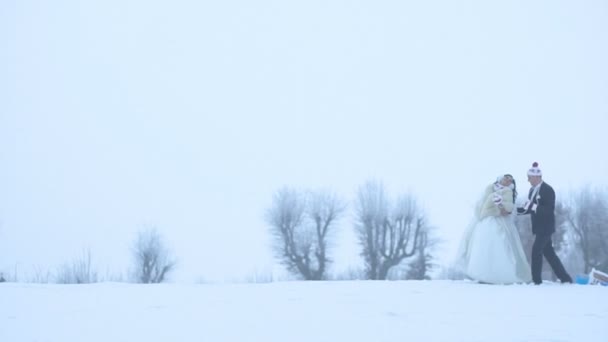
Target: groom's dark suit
x=542, y=211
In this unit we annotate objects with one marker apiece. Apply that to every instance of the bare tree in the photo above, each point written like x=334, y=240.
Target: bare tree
x=301, y=224
x=423, y=261
x=79, y=271
x=152, y=260
x=589, y=221
x=387, y=234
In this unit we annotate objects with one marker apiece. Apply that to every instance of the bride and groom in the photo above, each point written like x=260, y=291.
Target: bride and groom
x=491, y=250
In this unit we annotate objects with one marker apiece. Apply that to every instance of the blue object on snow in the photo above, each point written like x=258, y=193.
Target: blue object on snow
x=582, y=279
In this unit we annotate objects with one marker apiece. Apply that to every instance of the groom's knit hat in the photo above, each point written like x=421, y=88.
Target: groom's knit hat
x=535, y=171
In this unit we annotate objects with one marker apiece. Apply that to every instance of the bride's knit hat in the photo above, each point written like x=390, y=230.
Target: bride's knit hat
x=535, y=171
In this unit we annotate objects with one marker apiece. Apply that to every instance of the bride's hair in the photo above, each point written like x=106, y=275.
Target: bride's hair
x=514, y=186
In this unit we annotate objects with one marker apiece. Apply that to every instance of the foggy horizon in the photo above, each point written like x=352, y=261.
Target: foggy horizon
x=188, y=116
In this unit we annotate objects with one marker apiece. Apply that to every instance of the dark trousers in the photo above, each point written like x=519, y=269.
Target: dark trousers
x=543, y=246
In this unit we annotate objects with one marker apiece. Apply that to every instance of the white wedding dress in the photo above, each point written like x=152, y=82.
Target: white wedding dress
x=491, y=249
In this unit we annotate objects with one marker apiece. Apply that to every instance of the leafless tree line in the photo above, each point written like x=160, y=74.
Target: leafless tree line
x=395, y=238
x=152, y=262
x=388, y=231
x=588, y=219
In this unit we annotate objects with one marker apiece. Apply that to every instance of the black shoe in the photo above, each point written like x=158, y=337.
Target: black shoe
x=567, y=280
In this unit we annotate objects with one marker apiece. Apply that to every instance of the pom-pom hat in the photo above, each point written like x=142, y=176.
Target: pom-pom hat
x=534, y=170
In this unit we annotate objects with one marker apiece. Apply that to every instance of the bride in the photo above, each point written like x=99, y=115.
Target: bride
x=491, y=250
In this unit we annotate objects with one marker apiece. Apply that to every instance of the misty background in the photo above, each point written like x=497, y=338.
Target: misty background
x=188, y=116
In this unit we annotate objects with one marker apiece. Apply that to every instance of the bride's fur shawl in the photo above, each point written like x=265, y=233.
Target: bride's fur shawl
x=489, y=207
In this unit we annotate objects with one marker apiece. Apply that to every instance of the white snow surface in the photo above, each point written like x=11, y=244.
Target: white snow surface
x=371, y=311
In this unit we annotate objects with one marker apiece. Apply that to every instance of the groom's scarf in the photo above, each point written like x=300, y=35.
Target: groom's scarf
x=536, y=189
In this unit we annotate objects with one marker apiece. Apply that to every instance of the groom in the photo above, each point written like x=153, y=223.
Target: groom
x=541, y=207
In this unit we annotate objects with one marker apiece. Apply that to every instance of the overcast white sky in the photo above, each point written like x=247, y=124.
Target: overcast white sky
x=189, y=115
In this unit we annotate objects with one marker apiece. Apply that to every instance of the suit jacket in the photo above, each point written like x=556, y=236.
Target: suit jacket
x=543, y=218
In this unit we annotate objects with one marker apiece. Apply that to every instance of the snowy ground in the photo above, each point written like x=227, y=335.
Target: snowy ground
x=303, y=311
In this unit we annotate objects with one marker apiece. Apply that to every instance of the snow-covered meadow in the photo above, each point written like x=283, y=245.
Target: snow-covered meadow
x=439, y=310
